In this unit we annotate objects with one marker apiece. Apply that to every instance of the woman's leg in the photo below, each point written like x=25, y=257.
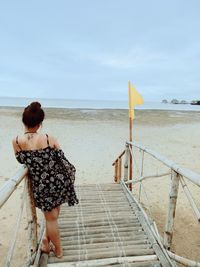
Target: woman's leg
x=52, y=230
x=58, y=209
x=45, y=244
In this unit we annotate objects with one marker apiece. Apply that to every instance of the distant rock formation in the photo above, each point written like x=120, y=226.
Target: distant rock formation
x=175, y=101
x=183, y=102
x=195, y=102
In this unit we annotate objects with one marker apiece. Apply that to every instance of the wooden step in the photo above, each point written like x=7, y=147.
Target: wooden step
x=106, y=229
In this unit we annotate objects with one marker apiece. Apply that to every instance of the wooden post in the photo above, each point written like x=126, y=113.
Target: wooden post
x=43, y=261
x=116, y=170
x=171, y=210
x=32, y=218
x=119, y=176
x=190, y=198
x=126, y=161
x=141, y=175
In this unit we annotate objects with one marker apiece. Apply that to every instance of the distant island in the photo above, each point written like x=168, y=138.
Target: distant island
x=176, y=101
x=195, y=102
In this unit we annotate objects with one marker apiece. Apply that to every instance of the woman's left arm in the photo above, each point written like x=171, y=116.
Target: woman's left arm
x=15, y=147
x=53, y=142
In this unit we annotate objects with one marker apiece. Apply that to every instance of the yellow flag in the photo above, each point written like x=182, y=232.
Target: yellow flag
x=134, y=99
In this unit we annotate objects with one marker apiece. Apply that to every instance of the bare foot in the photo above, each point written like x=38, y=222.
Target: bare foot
x=45, y=246
x=57, y=252
x=59, y=255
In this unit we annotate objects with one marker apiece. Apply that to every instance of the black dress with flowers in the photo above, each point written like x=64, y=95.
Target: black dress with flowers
x=52, y=176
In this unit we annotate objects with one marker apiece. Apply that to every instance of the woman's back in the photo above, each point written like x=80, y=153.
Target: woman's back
x=34, y=141
x=51, y=173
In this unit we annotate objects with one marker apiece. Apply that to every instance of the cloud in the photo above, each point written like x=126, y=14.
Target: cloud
x=136, y=57
x=85, y=52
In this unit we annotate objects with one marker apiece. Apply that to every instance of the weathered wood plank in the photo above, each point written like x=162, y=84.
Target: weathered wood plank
x=91, y=217
x=136, y=264
x=171, y=210
x=93, y=223
x=105, y=226
x=97, y=210
x=105, y=235
x=96, y=222
x=105, y=244
x=109, y=261
x=99, y=255
x=96, y=240
x=93, y=226
x=43, y=260
x=99, y=230
x=93, y=250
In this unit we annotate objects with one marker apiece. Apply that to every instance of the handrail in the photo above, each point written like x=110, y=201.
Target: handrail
x=118, y=165
x=182, y=260
x=142, y=178
x=14, y=238
x=5, y=192
x=9, y=187
x=148, y=221
x=177, y=174
x=123, y=152
x=190, y=175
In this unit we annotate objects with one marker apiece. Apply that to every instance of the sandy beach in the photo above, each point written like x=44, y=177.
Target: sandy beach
x=91, y=140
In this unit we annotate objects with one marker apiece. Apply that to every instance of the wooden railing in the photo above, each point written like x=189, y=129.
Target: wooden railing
x=9, y=187
x=178, y=174
x=34, y=237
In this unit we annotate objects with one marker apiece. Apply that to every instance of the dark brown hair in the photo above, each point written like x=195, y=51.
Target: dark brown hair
x=33, y=115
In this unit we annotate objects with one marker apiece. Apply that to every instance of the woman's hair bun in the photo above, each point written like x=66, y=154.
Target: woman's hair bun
x=33, y=114
x=34, y=106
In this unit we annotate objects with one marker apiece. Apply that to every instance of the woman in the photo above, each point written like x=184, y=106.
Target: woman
x=51, y=173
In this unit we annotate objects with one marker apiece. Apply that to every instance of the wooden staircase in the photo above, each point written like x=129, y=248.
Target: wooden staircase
x=107, y=228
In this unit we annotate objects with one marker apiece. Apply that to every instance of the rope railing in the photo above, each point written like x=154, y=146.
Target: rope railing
x=6, y=191
x=177, y=170
x=178, y=174
x=190, y=175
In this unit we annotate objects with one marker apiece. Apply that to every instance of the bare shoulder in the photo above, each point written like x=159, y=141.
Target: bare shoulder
x=53, y=141
x=15, y=144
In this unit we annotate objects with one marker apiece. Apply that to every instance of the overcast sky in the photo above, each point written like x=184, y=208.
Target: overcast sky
x=90, y=49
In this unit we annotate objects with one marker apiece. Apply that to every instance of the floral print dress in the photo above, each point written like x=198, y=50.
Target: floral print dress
x=52, y=177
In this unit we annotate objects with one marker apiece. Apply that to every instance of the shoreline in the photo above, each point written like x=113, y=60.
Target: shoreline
x=160, y=118
x=137, y=108
x=94, y=104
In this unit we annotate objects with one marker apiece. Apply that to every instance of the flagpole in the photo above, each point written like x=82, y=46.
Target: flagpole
x=131, y=160
x=130, y=138
x=134, y=99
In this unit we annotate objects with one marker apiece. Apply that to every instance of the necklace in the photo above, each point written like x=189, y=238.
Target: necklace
x=30, y=134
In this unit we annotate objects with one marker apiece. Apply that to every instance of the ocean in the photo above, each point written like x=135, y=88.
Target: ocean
x=92, y=104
